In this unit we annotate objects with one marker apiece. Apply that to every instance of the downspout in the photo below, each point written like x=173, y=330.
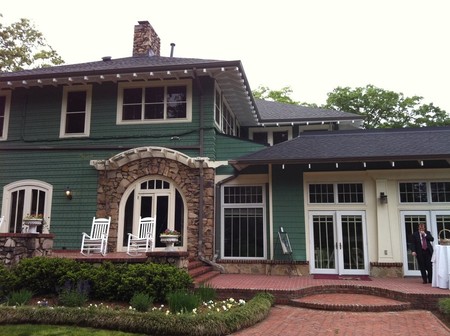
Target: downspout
x=200, y=160
x=213, y=263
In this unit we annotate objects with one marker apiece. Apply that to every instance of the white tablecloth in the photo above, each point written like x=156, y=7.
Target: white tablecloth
x=441, y=266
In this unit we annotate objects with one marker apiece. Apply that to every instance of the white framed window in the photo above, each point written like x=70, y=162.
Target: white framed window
x=424, y=192
x=336, y=193
x=155, y=102
x=25, y=197
x=271, y=135
x=224, y=117
x=5, y=105
x=76, y=111
x=243, y=222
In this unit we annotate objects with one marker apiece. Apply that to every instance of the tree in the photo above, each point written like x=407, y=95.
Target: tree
x=386, y=109
x=24, y=47
x=281, y=96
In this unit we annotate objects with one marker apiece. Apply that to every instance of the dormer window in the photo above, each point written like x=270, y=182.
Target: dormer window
x=76, y=111
x=5, y=99
x=154, y=102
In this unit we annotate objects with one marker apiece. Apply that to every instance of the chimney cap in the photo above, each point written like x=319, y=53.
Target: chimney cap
x=106, y=58
x=143, y=22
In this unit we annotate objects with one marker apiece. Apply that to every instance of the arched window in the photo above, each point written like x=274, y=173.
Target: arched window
x=22, y=198
x=156, y=197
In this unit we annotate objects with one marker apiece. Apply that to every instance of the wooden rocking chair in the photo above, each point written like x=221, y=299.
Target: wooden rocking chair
x=144, y=240
x=98, y=239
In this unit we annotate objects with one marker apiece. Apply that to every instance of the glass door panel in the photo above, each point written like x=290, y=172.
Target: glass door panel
x=352, y=252
x=323, y=230
x=410, y=221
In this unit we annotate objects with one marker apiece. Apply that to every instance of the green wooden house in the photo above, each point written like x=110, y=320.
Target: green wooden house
x=184, y=140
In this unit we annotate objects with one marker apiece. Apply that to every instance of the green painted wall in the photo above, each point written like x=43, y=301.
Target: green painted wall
x=34, y=150
x=288, y=210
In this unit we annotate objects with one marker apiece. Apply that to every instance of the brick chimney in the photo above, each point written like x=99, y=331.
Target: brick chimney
x=146, y=42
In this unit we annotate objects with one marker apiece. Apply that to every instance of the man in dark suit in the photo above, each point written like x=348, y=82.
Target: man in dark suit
x=422, y=249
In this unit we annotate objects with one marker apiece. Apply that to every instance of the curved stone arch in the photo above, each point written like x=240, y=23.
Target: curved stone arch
x=114, y=182
x=138, y=153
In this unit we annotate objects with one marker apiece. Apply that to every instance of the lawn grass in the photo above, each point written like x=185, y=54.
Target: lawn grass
x=51, y=330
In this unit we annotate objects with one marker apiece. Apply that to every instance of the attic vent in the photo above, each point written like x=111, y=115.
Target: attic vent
x=106, y=58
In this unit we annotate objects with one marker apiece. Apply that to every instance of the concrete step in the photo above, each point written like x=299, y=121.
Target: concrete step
x=350, y=302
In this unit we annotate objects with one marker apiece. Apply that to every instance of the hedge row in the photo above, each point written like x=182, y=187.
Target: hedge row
x=108, y=281
x=151, y=323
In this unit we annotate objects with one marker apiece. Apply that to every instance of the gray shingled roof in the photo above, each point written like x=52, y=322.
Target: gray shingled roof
x=119, y=65
x=357, y=145
x=229, y=74
x=275, y=112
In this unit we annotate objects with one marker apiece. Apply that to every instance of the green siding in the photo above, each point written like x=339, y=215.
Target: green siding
x=61, y=169
x=288, y=210
x=228, y=147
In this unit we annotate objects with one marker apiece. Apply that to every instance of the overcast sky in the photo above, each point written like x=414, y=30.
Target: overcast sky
x=313, y=46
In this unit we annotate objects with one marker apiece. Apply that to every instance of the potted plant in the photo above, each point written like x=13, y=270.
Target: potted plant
x=169, y=237
x=31, y=222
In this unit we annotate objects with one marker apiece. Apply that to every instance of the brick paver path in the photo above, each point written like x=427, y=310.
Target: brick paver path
x=293, y=321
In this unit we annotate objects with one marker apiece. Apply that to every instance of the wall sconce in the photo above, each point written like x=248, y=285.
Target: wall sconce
x=68, y=193
x=383, y=198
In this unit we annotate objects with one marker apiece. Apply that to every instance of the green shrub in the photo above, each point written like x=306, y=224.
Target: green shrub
x=44, y=275
x=182, y=302
x=20, y=297
x=141, y=301
x=72, y=298
x=206, y=293
x=74, y=295
x=8, y=282
x=108, y=281
x=444, y=305
x=151, y=323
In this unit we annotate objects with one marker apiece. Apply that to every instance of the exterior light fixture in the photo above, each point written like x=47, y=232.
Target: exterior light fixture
x=68, y=193
x=383, y=198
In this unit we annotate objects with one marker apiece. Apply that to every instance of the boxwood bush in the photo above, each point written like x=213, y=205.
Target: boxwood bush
x=108, y=281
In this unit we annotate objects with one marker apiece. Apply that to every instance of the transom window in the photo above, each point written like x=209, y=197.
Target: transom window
x=170, y=102
x=243, y=222
x=5, y=99
x=424, y=192
x=76, y=111
x=342, y=192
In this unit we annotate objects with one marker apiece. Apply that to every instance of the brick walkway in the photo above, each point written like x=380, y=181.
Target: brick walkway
x=386, y=316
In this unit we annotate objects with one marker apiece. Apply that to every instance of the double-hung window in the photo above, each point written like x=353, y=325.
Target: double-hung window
x=243, y=222
x=76, y=111
x=155, y=102
x=5, y=99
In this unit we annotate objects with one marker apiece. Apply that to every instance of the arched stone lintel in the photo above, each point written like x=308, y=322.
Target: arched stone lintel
x=138, y=153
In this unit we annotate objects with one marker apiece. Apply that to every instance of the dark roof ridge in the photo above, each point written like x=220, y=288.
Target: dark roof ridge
x=364, y=131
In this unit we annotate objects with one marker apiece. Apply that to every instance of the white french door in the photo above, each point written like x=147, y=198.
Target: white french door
x=436, y=221
x=338, y=242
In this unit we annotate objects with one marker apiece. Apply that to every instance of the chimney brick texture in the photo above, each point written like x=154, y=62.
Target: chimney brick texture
x=146, y=42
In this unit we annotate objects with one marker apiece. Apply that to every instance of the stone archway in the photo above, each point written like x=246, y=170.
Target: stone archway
x=120, y=171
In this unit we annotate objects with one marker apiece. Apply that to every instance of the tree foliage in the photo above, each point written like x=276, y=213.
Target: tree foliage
x=386, y=109
x=22, y=46
x=281, y=96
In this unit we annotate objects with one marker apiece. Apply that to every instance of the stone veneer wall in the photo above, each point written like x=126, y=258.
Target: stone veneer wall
x=386, y=270
x=17, y=246
x=113, y=183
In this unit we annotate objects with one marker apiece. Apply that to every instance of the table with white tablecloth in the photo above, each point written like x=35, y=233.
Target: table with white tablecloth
x=441, y=266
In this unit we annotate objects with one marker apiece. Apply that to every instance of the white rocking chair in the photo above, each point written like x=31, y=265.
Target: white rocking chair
x=144, y=240
x=98, y=239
